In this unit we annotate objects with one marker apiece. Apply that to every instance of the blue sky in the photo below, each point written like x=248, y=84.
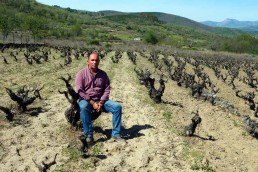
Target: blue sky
x=198, y=10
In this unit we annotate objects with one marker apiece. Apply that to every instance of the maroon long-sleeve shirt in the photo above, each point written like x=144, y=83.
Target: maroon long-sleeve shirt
x=89, y=86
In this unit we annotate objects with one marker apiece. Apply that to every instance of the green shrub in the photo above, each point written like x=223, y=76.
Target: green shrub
x=243, y=43
x=151, y=38
x=108, y=45
x=94, y=42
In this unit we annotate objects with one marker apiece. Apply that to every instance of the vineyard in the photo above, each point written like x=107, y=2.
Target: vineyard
x=182, y=110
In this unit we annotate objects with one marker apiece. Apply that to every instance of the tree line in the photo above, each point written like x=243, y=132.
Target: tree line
x=27, y=17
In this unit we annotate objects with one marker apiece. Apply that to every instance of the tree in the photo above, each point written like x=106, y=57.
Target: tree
x=151, y=38
x=243, y=43
x=35, y=24
x=6, y=23
x=77, y=30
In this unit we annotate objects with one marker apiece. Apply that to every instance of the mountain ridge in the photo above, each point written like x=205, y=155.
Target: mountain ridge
x=231, y=23
x=45, y=22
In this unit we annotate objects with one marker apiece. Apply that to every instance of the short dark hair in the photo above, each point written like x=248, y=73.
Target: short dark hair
x=94, y=52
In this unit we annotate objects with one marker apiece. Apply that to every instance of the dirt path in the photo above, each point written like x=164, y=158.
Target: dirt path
x=149, y=144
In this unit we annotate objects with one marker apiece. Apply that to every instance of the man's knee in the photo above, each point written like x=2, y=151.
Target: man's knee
x=84, y=105
x=117, y=106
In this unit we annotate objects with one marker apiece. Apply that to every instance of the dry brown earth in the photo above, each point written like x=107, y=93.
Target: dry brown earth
x=153, y=132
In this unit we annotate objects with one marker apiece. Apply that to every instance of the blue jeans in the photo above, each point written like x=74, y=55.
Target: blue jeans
x=109, y=106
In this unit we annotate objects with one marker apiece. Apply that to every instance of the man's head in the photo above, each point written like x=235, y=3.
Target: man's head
x=93, y=61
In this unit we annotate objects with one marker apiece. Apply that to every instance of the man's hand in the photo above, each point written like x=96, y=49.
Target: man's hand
x=100, y=103
x=94, y=105
x=97, y=105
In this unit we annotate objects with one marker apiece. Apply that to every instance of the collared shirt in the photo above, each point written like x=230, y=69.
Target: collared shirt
x=93, y=87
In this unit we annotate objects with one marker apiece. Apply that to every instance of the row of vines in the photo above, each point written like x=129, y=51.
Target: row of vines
x=200, y=74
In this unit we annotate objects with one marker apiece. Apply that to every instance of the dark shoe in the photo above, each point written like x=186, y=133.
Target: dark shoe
x=84, y=146
x=118, y=138
x=90, y=141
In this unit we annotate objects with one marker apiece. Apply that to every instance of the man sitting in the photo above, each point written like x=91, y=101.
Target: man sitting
x=93, y=87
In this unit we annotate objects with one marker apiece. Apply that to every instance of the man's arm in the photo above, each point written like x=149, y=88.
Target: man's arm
x=79, y=87
x=106, y=92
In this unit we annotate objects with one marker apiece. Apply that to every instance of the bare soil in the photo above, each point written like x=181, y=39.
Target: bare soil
x=153, y=133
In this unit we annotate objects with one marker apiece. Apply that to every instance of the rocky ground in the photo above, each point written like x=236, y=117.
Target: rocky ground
x=153, y=133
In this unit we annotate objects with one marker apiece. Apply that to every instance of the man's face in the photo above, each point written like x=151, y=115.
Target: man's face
x=93, y=61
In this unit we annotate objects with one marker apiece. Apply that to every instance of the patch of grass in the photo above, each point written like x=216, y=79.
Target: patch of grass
x=186, y=149
x=236, y=123
x=167, y=115
x=195, y=156
x=89, y=162
x=190, y=154
x=73, y=153
x=195, y=166
x=86, y=164
x=69, y=166
x=74, y=156
x=207, y=168
x=245, y=133
x=96, y=149
x=94, y=42
x=198, y=166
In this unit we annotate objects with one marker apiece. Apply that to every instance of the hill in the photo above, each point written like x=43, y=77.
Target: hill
x=251, y=29
x=110, y=12
x=246, y=26
x=178, y=20
x=29, y=21
x=231, y=23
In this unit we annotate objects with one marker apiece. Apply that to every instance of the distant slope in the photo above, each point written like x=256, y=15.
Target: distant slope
x=245, y=26
x=252, y=29
x=135, y=18
x=162, y=17
x=231, y=23
x=156, y=18
x=178, y=20
x=110, y=12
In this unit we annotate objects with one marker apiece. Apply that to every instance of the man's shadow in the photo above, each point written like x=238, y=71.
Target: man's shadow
x=127, y=134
